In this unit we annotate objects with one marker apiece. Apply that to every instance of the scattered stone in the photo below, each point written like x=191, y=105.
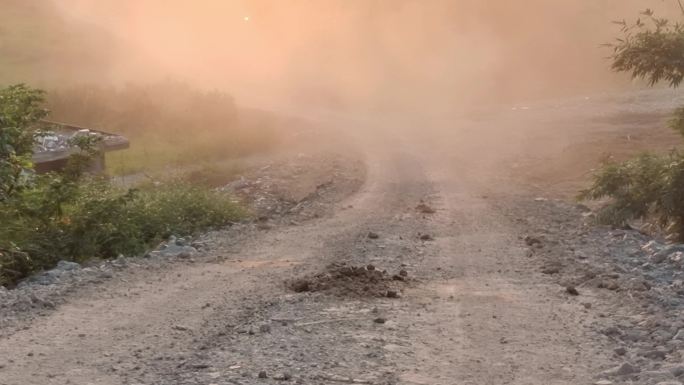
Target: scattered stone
x=531, y=241
x=403, y=273
x=653, y=354
x=626, y=369
x=392, y=294
x=677, y=371
x=263, y=374
x=426, y=237
x=265, y=328
x=609, y=284
x=67, y=266
x=380, y=320
x=572, y=290
x=551, y=270
x=679, y=336
x=282, y=377
x=372, y=235
x=603, y=382
x=300, y=285
x=621, y=351
x=587, y=305
x=637, y=284
x=665, y=253
x=612, y=331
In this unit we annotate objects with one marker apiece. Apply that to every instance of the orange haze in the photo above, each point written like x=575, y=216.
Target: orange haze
x=375, y=53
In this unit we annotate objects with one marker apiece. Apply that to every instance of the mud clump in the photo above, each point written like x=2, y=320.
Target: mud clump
x=352, y=281
x=425, y=209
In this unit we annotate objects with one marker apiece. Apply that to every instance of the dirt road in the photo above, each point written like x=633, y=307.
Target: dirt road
x=472, y=308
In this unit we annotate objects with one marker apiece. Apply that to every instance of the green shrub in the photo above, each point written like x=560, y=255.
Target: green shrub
x=97, y=220
x=648, y=186
x=72, y=216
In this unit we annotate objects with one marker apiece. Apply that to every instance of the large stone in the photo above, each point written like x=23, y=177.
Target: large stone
x=667, y=253
x=68, y=266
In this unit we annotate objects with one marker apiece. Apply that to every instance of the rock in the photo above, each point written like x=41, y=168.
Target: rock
x=571, y=290
x=403, y=273
x=370, y=267
x=106, y=274
x=603, y=382
x=580, y=255
x=380, y=320
x=67, y=266
x=658, y=257
x=637, y=284
x=173, y=250
x=621, y=351
x=622, y=370
x=679, y=336
x=301, y=285
x=531, y=241
x=550, y=270
x=282, y=377
x=372, y=235
x=392, y=294
x=426, y=237
x=677, y=371
x=665, y=253
x=265, y=328
x=626, y=369
x=262, y=374
x=612, y=331
x=653, y=354
x=609, y=284
x=651, y=247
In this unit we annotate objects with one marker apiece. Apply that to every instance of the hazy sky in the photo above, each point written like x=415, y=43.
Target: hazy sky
x=368, y=51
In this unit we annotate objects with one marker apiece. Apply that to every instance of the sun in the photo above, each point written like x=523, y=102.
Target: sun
x=246, y=18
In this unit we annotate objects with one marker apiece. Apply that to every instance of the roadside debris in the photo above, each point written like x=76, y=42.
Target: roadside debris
x=425, y=209
x=357, y=281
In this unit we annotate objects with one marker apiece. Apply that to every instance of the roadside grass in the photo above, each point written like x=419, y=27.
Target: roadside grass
x=99, y=221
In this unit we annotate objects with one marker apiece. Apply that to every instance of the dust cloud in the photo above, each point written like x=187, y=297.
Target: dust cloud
x=366, y=54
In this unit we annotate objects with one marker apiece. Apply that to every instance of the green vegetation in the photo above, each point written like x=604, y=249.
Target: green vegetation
x=649, y=186
x=169, y=124
x=75, y=216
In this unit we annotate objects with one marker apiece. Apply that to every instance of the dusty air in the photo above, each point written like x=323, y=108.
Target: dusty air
x=383, y=192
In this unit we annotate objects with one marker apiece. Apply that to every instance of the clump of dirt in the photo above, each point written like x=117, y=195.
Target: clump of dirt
x=343, y=280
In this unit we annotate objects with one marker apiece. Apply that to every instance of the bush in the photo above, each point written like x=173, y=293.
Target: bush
x=97, y=220
x=649, y=186
x=72, y=216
